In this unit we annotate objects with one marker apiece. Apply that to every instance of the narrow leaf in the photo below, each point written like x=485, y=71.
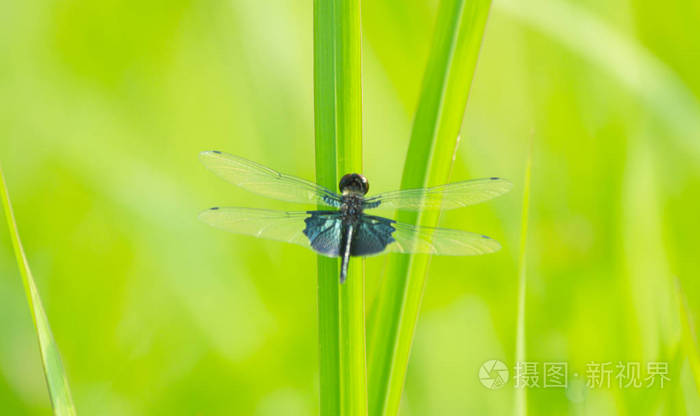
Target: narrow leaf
x=688, y=335
x=451, y=65
x=56, y=379
x=352, y=303
x=520, y=393
x=324, y=122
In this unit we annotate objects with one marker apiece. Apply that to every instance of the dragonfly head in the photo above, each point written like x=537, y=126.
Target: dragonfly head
x=353, y=182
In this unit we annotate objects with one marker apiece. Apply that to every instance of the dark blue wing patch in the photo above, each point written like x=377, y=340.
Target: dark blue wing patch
x=372, y=236
x=325, y=232
x=323, y=229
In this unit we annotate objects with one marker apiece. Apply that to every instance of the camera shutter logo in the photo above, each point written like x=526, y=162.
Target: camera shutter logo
x=493, y=374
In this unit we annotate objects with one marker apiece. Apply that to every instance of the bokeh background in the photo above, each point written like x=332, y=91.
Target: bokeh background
x=105, y=105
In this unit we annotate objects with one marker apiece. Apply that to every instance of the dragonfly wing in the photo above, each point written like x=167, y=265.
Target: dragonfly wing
x=263, y=223
x=440, y=241
x=371, y=236
x=450, y=196
x=264, y=181
x=318, y=230
x=324, y=232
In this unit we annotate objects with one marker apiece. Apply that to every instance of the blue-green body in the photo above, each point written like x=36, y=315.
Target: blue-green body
x=328, y=233
x=348, y=231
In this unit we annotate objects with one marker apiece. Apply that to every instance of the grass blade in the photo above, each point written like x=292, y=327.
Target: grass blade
x=520, y=393
x=324, y=124
x=353, y=371
x=688, y=335
x=56, y=379
x=338, y=123
x=451, y=65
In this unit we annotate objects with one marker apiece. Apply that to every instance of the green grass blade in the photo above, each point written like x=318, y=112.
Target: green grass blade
x=56, y=379
x=353, y=371
x=338, y=116
x=325, y=121
x=520, y=393
x=688, y=335
x=451, y=65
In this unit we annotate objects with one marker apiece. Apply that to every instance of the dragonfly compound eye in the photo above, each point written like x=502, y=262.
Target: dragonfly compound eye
x=354, y=182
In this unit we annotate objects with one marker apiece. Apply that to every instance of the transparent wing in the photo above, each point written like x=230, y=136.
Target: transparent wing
x=440, y=241
x=450, y=196
x=262, y=223
x=264, y=181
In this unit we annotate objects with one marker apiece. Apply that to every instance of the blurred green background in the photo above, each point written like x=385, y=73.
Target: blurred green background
x=105, y=105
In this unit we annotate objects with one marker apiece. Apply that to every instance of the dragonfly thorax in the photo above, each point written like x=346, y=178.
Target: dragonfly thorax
x=351, y=207
x=353, y=187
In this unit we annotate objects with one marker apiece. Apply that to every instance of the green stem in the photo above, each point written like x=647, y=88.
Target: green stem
x=451, y=65
x=352, y=309
x=324, y=124
x=520, y=394
x=56, y=380
x=338, y=123
x=688, y=335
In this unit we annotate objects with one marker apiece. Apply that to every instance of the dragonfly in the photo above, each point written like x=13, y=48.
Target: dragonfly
x=344, y=229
